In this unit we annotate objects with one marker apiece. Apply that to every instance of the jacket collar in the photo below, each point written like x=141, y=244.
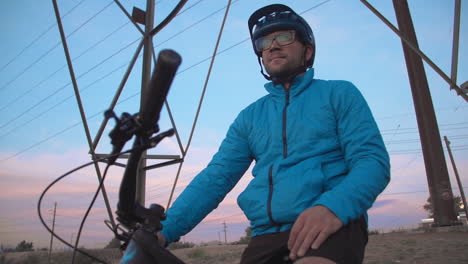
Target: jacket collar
x=299, y=84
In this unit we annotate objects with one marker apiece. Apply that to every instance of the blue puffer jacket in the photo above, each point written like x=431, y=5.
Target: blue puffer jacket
x=315, y=144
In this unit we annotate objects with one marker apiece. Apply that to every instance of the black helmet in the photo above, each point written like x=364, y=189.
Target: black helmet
x=280, y=17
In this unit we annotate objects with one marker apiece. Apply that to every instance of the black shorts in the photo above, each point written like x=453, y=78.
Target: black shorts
x=346, y=246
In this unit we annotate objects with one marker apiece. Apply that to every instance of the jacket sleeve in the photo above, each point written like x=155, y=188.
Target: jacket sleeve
x=211, y=185
x=364, y=152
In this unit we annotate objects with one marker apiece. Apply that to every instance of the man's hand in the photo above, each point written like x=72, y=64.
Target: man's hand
x=311, y=229
x=161, y=239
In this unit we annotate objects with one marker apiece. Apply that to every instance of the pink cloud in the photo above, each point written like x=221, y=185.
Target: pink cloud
x=24, y=177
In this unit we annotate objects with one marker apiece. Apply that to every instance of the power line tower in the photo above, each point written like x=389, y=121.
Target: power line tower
x=434, y=160
x=145, y=79
x=145, y=18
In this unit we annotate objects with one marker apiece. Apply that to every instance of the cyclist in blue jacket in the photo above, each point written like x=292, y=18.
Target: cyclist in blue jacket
x=320, y=160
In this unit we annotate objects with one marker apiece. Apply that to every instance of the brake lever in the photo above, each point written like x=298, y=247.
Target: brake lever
x=124, y=129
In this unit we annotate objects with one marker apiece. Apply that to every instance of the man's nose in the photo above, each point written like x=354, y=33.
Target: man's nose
x=274, y=44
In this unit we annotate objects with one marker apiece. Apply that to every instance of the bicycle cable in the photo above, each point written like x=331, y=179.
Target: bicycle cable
x=75, y=247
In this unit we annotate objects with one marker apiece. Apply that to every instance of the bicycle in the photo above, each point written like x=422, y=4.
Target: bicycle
x=140, y=241
x=142, y=222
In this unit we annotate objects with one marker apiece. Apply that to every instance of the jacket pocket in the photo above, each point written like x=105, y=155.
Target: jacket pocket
x=253, y=200
x=295, y=191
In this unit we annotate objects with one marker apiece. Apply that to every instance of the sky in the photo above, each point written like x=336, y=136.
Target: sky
x=42, y=135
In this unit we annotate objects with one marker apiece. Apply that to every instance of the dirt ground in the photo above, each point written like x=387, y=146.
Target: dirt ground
x=418, y=248
x=404, y=247
x=397, y=247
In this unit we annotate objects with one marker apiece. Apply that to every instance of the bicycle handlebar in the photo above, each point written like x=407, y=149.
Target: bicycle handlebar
x=143, y=223
x=155, y=95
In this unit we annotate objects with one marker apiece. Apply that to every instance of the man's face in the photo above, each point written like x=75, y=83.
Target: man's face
x=283, y=60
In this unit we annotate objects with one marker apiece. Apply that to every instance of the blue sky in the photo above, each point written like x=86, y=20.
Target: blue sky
x=41, y=136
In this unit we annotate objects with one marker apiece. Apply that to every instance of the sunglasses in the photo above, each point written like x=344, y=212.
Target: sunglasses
x=282, y=38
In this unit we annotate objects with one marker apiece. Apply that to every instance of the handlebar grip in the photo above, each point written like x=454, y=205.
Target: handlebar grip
x=157, y=90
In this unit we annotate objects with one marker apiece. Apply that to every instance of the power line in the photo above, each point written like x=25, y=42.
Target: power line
x=74, y=125
x=46, y=139
x=87, y=50
x=66, y=85
x=412, y=132
x=64, y=66
x=186, y=69
x=51, y=49
x=416, y=151
x=59, y=103
x=417, y=140
x=399, y=193
x=412, y=113
x=406, y=165
x=193, y=24
x=415, y=128
x=39, y=37
x=189, y=7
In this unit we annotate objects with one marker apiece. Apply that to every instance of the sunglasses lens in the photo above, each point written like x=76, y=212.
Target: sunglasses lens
x=263, y=43
x=282, y=39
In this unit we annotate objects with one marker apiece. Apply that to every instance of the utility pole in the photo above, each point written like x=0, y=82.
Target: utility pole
x=462, y=193
x=225, y=232
x=146, y=76
x=434, y=161
x=52, y=234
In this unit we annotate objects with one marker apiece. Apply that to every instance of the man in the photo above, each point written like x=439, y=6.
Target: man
x=320, y=161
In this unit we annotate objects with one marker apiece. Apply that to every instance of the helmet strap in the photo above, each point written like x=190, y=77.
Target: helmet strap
x=290, y=77
x=304, y=59
x=268, y=77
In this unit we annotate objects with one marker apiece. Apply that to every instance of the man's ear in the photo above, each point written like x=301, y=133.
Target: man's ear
x=309, y=52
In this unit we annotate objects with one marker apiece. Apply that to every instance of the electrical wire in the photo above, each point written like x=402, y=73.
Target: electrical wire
x=101, y=112
x=49, y=96
x=82, y=75
x=51, y=49
x=63, y=67
x=192, y=25
x=186, y=69
x=416, y=151
x=101, y=183
x=416, y=131
x=189, y=7
x=42, y=219
x=39, y=37
x=34, y=118
x=201, y=100
x=169, y=18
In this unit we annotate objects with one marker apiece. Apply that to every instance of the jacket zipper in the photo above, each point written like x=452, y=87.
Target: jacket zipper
x=270, y=195
x=285, y=155
x=285, y=139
